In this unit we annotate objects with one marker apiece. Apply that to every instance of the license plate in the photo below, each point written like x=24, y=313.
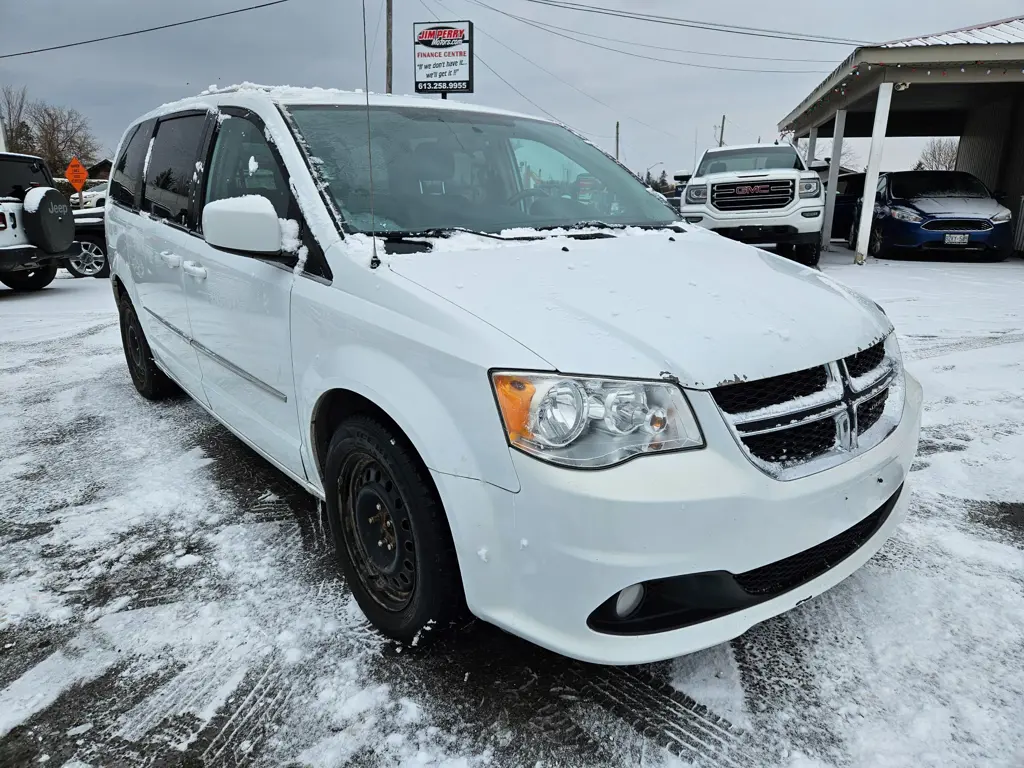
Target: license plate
x=957, y=239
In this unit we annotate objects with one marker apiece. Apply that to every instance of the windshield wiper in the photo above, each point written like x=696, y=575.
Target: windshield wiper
x=433, y=232
x=580, y=225
x=604, y=225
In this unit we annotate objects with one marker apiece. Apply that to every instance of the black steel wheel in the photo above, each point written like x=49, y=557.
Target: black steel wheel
x=378, y=531
x=149, y=380
x=391, y=534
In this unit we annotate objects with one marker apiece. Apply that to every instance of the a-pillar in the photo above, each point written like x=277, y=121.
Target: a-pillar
x=867, y=208
x=834, y=163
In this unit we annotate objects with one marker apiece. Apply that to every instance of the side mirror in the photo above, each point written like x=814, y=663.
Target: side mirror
x=246, y=225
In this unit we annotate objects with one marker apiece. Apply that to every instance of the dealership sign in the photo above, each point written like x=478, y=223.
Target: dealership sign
x=443, y=56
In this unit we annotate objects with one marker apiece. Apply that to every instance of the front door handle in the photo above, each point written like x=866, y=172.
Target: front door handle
x=172, y=260
x=194, y=269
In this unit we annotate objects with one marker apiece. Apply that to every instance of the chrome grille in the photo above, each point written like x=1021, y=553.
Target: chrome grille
x=754, y=194
x=799, y=423
x=958, y=225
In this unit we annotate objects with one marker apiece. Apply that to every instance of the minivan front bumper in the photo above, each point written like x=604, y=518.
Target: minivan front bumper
x=547, y=562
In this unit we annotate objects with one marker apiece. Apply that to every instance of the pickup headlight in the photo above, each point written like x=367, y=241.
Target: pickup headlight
x=697, y=194
x=590, y=422
x=810, y=187
x=1002, y=217
x=905, y=214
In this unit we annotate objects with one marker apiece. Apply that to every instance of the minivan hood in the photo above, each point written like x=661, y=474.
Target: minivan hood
x=693, y=305
x=982, y=207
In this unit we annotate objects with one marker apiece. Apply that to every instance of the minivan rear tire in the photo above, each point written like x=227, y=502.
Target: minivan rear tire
x=391, y=535
x=149, y=380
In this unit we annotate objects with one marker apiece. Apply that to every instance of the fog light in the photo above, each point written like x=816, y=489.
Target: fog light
x=629, y=600
x=694, y=219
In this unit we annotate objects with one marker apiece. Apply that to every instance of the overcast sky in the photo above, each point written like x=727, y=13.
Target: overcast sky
x=319, y=42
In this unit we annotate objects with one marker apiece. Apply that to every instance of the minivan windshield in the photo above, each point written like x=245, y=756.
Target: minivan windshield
x=18, y=176
x=751, y=159
x=438, y=169
x=911, y=184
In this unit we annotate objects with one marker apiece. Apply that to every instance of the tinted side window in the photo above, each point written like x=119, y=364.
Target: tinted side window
x=124, y=179
x=170, y=166
x=244, y=164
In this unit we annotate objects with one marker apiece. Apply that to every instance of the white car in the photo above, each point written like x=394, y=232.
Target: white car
x=618, y=437
x=758, y=193
x=95, y=195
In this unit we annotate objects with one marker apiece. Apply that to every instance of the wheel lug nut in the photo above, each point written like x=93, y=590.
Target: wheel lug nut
x=378, y=507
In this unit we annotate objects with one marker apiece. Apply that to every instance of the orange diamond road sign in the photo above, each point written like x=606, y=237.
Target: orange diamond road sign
x=76, y=174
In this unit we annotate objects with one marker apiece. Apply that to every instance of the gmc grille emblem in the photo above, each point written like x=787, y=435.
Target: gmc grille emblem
x=752, y=190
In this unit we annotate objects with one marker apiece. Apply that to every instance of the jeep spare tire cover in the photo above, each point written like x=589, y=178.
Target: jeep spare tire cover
x=49, y=223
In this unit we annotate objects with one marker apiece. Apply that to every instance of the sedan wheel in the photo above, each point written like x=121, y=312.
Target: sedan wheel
x=91, y=262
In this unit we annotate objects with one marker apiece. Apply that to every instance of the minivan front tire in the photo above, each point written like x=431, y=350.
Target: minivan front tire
x=391, y=534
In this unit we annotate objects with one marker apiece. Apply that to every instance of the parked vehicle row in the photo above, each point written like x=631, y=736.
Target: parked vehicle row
x=556, y=410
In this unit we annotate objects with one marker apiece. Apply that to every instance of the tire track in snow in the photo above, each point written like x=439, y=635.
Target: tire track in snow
x=964, y=345
x=787, y=702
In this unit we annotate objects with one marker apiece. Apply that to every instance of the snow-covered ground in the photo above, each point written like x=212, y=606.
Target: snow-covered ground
x=167, y=597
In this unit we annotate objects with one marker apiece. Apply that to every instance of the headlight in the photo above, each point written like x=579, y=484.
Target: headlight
x=905, y=214
x=1002, y=217
x=810, y=187
x=590, y=422
x=696, y=195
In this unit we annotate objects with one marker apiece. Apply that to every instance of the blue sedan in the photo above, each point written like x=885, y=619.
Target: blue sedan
x=948, y=212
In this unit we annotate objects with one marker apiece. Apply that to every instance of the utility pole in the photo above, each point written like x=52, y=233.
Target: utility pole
x=616, y=139
x=721, y=132
x=390, y=60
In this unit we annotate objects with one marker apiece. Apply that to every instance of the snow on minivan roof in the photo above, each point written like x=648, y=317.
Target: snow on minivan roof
x=216, y=96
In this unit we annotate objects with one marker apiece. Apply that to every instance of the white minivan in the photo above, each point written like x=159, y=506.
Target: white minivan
x=524, y=389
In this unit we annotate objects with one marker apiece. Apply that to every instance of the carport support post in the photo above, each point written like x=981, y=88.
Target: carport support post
x=867, y=207
x=833, y=178
x=812, y=145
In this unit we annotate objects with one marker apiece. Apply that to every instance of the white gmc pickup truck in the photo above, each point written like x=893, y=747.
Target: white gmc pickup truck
x=760, y=194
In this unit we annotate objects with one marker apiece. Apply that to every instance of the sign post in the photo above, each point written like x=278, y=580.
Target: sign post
x=77, y=175
x=443, y=57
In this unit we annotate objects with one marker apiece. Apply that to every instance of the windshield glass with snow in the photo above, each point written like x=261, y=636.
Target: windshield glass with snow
x=911, y=184
x=446, y=169
x=754, y=159
x=18, y=176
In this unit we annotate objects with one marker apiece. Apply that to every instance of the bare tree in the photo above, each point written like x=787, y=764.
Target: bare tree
x=823, y=151
x=938, y=155
x=14, y=107
x=61, y=133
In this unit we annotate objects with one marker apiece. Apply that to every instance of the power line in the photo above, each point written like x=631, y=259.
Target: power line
x=709, y=26
x=376, y=31
x=144, y=31
x=563, y=81
x=679, y=50
x=652, y=58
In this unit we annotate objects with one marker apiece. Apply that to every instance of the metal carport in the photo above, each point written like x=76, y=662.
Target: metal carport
x=966, y=82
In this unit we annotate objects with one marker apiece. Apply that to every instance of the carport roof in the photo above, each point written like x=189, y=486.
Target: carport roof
x=994, y=42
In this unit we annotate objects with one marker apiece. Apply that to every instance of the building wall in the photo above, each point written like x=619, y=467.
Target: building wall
x=983, y=141
x=1012, y=179
x=992, y=148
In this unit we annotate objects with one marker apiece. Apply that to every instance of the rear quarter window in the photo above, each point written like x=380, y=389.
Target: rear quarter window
x=127, y=171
